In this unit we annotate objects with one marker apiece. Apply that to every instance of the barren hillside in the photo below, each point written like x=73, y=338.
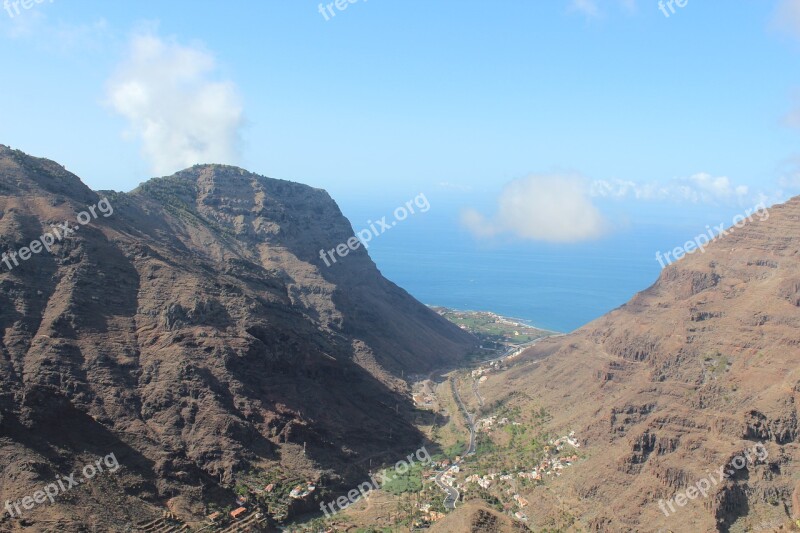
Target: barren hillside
x=196, y=334
x=674, y=385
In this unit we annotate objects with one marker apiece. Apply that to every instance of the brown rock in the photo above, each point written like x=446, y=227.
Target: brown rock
x=195, y=333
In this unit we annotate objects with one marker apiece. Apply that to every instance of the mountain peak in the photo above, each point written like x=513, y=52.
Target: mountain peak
x=23, y=174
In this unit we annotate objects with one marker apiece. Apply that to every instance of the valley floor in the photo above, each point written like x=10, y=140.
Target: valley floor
x=489, y=453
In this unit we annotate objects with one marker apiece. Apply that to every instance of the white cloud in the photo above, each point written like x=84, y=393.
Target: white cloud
x=561, y=208
x=35, y=28
x=787, y=17
x=542, y=208
x=174, y=105
x=699, y=188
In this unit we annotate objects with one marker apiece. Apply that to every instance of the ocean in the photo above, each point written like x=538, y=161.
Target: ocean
x=556, y=290
x=559, y=287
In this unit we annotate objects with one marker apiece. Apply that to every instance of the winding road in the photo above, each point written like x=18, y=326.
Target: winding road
x=453, y=494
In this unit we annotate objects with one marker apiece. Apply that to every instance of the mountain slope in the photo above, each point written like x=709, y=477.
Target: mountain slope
x=195, y=334
x=689, y=375
x=476, y=518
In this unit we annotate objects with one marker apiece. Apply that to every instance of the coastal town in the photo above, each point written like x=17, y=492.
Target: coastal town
x=496, y=331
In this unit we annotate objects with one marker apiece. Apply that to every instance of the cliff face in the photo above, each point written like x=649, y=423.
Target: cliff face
x=690, y=374
x=195, y=333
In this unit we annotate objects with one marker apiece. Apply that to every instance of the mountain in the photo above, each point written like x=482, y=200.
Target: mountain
x=691, y=376
x=477, y=518
x=191, y=329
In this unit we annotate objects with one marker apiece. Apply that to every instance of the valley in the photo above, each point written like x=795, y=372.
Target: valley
x=590, y=431
x=243, y=385
x=486, y=453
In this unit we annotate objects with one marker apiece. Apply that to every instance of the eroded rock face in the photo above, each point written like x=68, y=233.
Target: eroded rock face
x=195, y=333
x=674, y=384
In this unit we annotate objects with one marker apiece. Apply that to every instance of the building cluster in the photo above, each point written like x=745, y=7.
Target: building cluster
x=491, y=422
x=241, y=519
x=521, y=503
x=300, y=492
x=424, y=399
x=569, y=439
x=484, y=370
x=551, y=465
x=429, y=515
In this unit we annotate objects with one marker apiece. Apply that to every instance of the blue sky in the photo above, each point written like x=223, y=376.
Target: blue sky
x=453, y=98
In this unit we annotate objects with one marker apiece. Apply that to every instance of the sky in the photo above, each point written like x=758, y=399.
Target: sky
x=558, y=121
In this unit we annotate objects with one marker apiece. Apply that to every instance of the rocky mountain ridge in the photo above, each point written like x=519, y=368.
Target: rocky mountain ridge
x=195, y=334
x=677, y=383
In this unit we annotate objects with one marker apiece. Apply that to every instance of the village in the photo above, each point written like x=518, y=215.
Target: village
x=485, y=475
x=511, y=456
x=502, y=484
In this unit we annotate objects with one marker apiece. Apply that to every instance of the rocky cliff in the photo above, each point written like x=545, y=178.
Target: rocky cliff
x=676, y=384
x=196, y=334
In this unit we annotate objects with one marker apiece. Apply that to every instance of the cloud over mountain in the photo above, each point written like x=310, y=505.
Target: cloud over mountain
x=175, y=106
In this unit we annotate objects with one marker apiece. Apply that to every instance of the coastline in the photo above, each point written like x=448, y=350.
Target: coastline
x=513, y=321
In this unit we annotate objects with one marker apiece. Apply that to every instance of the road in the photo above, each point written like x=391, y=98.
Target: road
x=470, y=420
x=452, y=494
